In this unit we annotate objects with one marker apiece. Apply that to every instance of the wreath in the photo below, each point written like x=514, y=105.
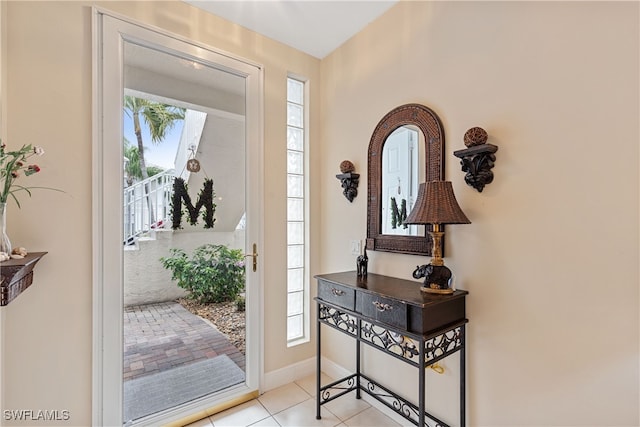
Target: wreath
x=205, y=199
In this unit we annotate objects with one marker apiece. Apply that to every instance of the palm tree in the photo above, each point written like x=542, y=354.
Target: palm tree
x=132, y=168
x=132, y=164
x=160, y=118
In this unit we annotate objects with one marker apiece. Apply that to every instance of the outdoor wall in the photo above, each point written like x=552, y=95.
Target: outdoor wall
x=145, y=279
x=551, y=257
x=47, y=331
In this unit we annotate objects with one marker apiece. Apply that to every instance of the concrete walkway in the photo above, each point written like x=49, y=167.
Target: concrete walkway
x=162, y=336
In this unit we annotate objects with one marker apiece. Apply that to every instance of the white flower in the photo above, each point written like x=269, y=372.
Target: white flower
x=38, y=150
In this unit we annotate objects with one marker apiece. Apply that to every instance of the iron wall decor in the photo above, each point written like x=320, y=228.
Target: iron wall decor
x=478, y=159
x=349, y=180
x=205, y=199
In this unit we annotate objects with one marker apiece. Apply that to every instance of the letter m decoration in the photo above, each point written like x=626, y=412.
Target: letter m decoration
x=205, y=199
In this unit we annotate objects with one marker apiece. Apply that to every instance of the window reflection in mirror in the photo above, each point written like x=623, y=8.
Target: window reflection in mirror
x=402, y=172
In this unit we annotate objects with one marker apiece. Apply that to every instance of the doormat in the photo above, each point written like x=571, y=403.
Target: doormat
x=154, y=393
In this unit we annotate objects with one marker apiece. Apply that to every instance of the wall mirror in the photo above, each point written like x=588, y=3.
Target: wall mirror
x=406, y=148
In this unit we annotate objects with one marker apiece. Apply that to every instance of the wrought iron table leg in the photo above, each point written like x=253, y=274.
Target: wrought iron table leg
x=318, y=373
x=359, y=323
x=421, y=385
x=463, y=379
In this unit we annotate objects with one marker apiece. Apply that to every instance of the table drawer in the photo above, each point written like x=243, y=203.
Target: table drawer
x=385, y=310
x=342, y=296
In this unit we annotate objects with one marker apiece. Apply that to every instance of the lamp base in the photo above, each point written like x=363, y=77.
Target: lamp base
x=436, y=278
x=447, y=291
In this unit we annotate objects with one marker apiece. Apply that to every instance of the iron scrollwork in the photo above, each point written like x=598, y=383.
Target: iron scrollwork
x=337, y=388
x=478, y=159
x=338, y=319
x=442, y=345
x=395, y=402
x=416, y=344
x=398, y=404
x=389, y=341
x=349, y=182
x=407, y=348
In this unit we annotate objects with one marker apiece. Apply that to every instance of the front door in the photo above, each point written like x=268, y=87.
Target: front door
x=157, y=361
x=400, y=178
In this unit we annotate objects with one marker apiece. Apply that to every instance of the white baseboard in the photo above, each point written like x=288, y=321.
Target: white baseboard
x=289, y=374
x=333, y=370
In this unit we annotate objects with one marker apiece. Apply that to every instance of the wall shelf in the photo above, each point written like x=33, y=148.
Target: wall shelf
x=349, y=181
x=16, y=275
x=477, y=162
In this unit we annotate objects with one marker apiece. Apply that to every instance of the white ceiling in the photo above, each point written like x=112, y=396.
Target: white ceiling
x=316, y=27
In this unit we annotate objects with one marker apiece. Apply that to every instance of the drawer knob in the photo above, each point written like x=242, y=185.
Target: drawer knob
x=382, y=307
x=337, y=292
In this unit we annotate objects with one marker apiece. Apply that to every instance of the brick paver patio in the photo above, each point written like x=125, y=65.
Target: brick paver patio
x=161, y=336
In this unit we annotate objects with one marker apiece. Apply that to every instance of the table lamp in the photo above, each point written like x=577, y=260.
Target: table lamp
x=436, y=205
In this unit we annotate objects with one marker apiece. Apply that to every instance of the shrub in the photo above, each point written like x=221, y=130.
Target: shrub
x=214, y=273
x=240, y=303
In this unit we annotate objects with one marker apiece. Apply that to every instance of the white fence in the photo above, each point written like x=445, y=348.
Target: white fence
x=147, y=205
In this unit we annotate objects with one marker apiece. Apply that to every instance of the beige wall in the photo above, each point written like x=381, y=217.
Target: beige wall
x=553, y=279
x=3, y=94
x=47, y=330
x=551, y=257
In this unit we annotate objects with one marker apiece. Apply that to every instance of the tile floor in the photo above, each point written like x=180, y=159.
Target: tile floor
x=294, y=405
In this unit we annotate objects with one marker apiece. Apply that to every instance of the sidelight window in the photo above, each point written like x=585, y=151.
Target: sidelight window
x=297, y=283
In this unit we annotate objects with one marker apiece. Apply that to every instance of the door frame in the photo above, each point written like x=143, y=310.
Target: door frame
x=110, y=31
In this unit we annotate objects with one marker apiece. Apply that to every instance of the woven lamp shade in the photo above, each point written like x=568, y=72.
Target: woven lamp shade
x=436, y=204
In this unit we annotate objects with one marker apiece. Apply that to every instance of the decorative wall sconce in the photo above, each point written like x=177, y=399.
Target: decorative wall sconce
x=349, y=180
x=478, y=159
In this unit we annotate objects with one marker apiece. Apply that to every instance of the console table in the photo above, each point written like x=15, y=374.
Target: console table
x=394, y=316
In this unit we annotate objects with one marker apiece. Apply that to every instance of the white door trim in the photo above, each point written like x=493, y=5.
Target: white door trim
x=110, y=32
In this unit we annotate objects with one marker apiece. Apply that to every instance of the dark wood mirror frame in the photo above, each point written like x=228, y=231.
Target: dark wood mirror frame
x=429, y=123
